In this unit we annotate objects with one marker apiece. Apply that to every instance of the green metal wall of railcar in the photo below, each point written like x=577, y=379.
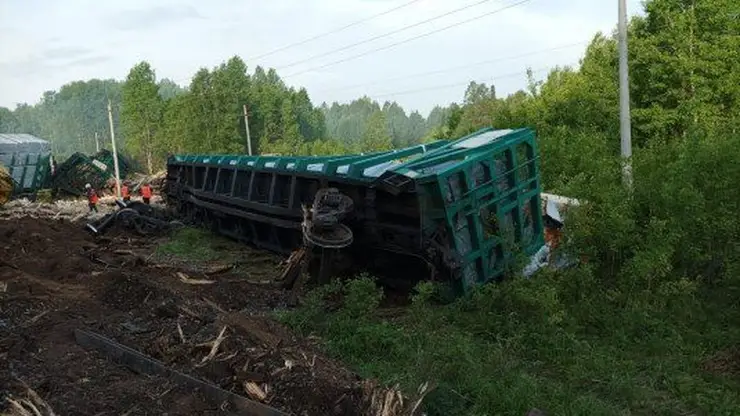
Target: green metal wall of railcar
x=30, y=171
x=79, y=169
x=346, y=168
x=273, y=196
x=106, y=158
x=489, y=204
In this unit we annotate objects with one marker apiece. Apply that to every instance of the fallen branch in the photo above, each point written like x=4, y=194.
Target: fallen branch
x=228, y=357
x=149, y=257
x=219, y=269
x=189, y=312
x=131, y=410
x=179, y=331
x=213, y=304
x=214, y=347
x=185, y=279
x=36, y=318
x=78, y=217
x=5, y=263
x=98, y=260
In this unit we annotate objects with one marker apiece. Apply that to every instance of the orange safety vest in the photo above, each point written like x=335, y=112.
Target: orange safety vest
x=146, y=191
x=92, y=196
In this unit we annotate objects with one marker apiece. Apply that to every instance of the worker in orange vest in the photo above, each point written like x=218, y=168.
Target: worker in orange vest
x=146, y=193
x=125, y=194
x=92, y=198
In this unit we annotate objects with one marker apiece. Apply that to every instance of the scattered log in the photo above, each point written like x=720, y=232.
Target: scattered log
x=186, y=279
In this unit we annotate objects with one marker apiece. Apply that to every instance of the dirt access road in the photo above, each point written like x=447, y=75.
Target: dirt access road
x=55, y=278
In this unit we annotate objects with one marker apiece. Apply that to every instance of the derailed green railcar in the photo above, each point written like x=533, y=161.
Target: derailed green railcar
x=27, y=160
x=449, y=210
x=79, y=169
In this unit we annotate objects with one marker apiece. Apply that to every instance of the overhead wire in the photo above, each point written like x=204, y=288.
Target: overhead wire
x=455, y=68
x=383, y=35
x=451, y=69
x=458, y=84
x=392, y=45
x=331, y=32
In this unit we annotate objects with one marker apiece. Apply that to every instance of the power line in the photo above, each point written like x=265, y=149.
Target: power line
x=397, y=43
x=458, y=84
x=319, y=36
x=407, y=40
x=441, y=71
x=393, y=32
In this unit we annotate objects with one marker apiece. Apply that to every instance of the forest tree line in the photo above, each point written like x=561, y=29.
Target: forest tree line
x=155, y=116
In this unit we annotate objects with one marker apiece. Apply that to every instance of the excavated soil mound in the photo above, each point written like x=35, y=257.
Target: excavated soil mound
x=55, y=278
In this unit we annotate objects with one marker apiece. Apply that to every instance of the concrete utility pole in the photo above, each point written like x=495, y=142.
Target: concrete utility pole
x=625, y=123
x=246, y=127
x=115, y=152
x=97, y=143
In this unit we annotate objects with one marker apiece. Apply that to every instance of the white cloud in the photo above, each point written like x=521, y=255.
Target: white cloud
x=44, y=45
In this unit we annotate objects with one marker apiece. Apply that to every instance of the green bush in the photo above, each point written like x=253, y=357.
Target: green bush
x=628, y=331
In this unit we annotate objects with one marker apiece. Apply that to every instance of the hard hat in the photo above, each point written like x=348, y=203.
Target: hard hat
x=87, y=186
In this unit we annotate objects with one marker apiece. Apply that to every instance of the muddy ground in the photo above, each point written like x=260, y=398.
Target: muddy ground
x=55, y=278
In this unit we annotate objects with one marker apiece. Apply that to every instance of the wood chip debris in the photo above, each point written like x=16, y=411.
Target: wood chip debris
x=390, y=402
x=254, y=391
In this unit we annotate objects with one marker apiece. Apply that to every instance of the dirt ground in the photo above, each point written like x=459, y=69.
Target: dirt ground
x=55, y=277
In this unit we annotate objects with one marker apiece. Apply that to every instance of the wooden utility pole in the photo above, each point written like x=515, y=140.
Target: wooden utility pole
x=625, y=123
x=97, y=143
x=246, y=127
x=115, y=152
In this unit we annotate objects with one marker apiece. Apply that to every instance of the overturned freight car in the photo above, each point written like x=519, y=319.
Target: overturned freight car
x=79, y=169
x=448, y=210
x=27, y=163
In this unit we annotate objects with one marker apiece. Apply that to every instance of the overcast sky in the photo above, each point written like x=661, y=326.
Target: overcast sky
x=45, y=44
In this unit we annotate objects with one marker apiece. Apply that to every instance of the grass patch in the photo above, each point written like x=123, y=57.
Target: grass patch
x=524, y=344
x=193, y=244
